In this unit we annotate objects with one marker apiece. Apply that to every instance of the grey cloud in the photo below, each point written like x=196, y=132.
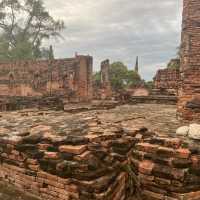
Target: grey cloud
x=120, y=30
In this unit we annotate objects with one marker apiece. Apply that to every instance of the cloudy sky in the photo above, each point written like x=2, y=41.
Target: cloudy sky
x=120, y=30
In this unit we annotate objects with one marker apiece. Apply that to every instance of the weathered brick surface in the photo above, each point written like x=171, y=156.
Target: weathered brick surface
x=165, y=168
x=166, y=81
x=74, y=159
x=85, y=157
x=189, y=89
x=69, y=77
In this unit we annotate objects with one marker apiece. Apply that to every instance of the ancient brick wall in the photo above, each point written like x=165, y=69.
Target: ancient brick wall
x=189, y=92
x=68, y=77
x=166, y=81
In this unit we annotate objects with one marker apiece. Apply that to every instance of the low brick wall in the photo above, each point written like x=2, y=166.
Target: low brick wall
x=109, y=162
x=60, y=167
x=167, y=168
x=154, y=99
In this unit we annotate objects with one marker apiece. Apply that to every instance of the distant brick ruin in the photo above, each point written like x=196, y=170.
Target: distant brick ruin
x=189, y=91
x=166, y=81
x=71, y=78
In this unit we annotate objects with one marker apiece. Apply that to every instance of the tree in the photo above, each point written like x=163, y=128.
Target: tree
x=24, y=25
x=174, y=64
x=132, y=78
x=118, y=72
x=97, y=79
x=149, y=85
x=121, y=77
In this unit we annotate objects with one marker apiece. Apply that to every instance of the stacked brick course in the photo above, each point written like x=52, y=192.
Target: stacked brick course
x=83, y=162
x=189, y=92
x=167, y=168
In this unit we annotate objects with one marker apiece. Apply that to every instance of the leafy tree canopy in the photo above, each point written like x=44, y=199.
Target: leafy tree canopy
x=174, y=64
x=120, y=77
x=24, y=24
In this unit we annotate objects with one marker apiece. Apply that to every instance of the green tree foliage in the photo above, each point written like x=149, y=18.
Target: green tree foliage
x=120, y=77
x=97, y=79
x=24, y=25
x=149, y=85
x=174, y=64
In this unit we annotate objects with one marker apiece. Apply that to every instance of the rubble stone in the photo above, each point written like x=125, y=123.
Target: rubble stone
x=182, y=131
x=194, y=131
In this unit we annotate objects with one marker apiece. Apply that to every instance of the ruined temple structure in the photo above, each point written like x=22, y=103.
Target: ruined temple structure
x=166, y=82
x=106, y=90
x=71, y=78
x=189, y=92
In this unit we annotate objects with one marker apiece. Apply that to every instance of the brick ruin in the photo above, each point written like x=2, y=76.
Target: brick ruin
x=189, y=92
x=54, y=155
x=70, y=78
x=82, y=157
x=166, y=82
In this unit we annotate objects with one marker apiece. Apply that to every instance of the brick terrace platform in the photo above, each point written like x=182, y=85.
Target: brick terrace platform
x=88, y=155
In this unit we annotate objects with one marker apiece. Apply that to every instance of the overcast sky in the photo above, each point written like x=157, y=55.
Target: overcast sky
x=120, y=30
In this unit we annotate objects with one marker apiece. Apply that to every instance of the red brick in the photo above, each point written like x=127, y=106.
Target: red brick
x=73, y=149
x=146, y=167
x=147, y=147
x=183, y=153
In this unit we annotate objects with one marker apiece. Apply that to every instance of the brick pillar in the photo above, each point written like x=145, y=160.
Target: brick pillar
x=105, y=80
x=189, y=86
x=85, y=73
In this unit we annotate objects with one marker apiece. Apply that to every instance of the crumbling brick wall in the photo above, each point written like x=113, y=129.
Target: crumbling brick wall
x=68, y=77
x=166, y=81
x=100, y=162
x=167, y=168
x=189, y=88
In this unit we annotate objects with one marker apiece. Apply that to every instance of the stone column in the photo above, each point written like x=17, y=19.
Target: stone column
x=189, y=86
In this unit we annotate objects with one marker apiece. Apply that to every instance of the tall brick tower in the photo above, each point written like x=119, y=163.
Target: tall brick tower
x=189, y=88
